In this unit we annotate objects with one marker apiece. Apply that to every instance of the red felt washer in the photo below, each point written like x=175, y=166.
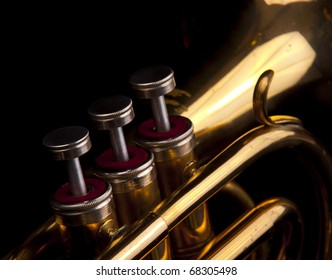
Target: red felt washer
x=64, y=196
x=179, y=125
x=137, y=157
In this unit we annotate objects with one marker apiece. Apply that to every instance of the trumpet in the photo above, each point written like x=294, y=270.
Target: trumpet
x=216, y=173
x=238, y=240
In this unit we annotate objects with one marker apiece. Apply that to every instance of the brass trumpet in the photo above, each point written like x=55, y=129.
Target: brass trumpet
x=250, y=184
x=245, y=237
x=270, y=216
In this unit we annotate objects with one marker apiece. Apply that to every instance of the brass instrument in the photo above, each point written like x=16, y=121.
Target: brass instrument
x=277, y=132
x=259, y=169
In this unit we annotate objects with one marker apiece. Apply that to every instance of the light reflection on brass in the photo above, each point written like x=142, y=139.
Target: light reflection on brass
x=222, y=107
x=262, y=222
x=223, y=168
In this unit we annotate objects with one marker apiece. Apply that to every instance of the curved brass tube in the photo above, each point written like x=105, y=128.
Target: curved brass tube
x=262, y=222
x=44, y=243
x=212, y=177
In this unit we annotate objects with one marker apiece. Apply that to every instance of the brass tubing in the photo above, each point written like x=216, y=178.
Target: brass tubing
x=138, y=240
x=220, y=103
x=43, y=243
x=241, y=238
x=213, y=176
